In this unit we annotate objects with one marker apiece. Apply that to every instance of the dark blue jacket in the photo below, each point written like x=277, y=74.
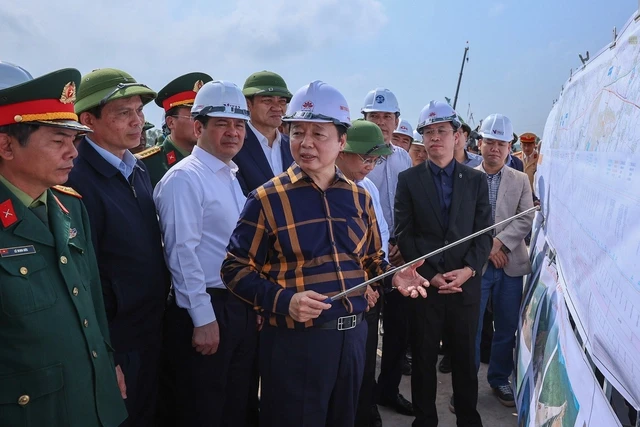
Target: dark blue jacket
x=516, y=163
x=126, y=237
x=254, y=169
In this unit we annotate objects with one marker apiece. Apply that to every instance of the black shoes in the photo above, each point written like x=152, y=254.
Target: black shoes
x=399, y=403
x=445, y=364
x=505, y=395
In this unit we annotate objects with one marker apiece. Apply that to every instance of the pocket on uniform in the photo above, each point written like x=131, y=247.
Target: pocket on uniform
x=34, y=398
x=25, y=286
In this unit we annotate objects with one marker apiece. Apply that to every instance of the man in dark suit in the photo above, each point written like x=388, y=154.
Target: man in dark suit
x=437, y=203
x=117, y=193
x=266, y=152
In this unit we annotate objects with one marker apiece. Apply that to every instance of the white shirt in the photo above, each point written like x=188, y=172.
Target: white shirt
x=273, y=155
x=124, y=165
x=385, y=177
x=382, y=223
x=199, y=203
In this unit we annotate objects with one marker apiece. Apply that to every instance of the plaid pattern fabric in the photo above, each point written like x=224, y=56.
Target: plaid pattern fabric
x=294, y=237
x=494, y=185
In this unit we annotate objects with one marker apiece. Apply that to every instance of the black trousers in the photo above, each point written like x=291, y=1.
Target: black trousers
x=141, y=372
x=311, y=377
x=212, y=391
x=460, y=322
x=394, y=344
x=366, y=399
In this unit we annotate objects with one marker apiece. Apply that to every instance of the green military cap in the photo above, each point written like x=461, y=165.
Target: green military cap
x=107, y=84
x=181, y=91
x=47, y=100
x=266, y=83
x=364, y=137
x=147, y=126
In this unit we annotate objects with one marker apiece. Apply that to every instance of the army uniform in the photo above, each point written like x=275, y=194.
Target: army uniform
x=56, y=362
x=180, y=92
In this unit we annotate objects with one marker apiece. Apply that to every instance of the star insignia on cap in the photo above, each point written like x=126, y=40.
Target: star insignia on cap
x=198, y=85
x=68, y=93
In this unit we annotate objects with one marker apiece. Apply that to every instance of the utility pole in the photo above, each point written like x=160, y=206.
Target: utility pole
x=464, y=59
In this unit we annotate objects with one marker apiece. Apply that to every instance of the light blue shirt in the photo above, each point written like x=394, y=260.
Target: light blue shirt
x=385, y=178
x=199, y=202
x=472, y=160
x=124, y=165
x=382, y=223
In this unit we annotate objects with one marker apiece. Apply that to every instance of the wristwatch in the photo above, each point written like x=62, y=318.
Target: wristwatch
x=473, y=272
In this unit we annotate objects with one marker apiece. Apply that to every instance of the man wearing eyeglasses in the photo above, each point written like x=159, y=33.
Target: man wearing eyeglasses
x=117, y=193
x=437, y=203
x=176, y=99
x=381, y=107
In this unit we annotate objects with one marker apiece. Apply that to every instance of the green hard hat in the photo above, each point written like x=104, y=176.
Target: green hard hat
x=181, y=91
x=108, y=84
x=266, y=83
x=47, y=100
x=364, y=137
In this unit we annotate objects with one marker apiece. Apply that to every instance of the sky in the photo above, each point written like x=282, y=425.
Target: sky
x=520, y=51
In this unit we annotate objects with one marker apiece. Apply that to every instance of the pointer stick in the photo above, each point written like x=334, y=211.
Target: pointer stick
x=430, y=254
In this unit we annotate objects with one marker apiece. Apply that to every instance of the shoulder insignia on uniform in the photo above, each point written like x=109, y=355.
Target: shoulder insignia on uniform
x=67, y=190
x=148, y=152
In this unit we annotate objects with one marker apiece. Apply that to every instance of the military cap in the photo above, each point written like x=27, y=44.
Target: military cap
x=364, y=137
x=528, y=137
x=147, y=126
x=266, y=83
x=108, y=84
x=47, y=100
x=181, y=91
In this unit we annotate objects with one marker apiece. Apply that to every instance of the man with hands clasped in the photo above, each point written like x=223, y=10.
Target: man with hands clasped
x=437, y=203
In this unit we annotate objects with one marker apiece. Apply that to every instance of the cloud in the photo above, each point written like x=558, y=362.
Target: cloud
x=156, y=41
x=496, y=10
x=42, y=33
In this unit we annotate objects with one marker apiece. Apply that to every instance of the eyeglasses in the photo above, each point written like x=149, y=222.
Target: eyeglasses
x=120, y=86
x=371, y=161
x=430, y=133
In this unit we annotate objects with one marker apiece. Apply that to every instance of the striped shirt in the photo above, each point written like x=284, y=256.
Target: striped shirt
x=494, y=186
x=294, y=237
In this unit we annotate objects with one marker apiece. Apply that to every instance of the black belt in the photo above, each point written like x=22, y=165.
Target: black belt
x=342, y=323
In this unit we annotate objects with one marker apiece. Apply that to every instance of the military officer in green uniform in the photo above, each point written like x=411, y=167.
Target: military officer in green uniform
x=56, y=366
x=176, y=98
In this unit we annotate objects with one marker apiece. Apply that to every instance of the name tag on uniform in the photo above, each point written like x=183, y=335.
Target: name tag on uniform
x=18, y=250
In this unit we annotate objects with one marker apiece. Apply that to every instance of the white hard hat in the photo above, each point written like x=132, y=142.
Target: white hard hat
x=497, y=126
x=404, y=128
x=437, y=112
x=318, y=102
x=11, y=75
x=380, y=99
x=417, y=138
x=219, y=98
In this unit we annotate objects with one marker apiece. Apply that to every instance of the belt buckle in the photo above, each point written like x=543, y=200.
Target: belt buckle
x=347, y=322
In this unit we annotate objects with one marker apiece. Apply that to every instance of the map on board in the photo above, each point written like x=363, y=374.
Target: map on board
x=588, y=180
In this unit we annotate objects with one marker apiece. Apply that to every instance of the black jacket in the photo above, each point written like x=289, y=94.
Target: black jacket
x=419, y=226
x=128, y=246
x=254, y=169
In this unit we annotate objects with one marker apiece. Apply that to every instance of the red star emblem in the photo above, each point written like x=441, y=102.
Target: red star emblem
x=171, y=157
